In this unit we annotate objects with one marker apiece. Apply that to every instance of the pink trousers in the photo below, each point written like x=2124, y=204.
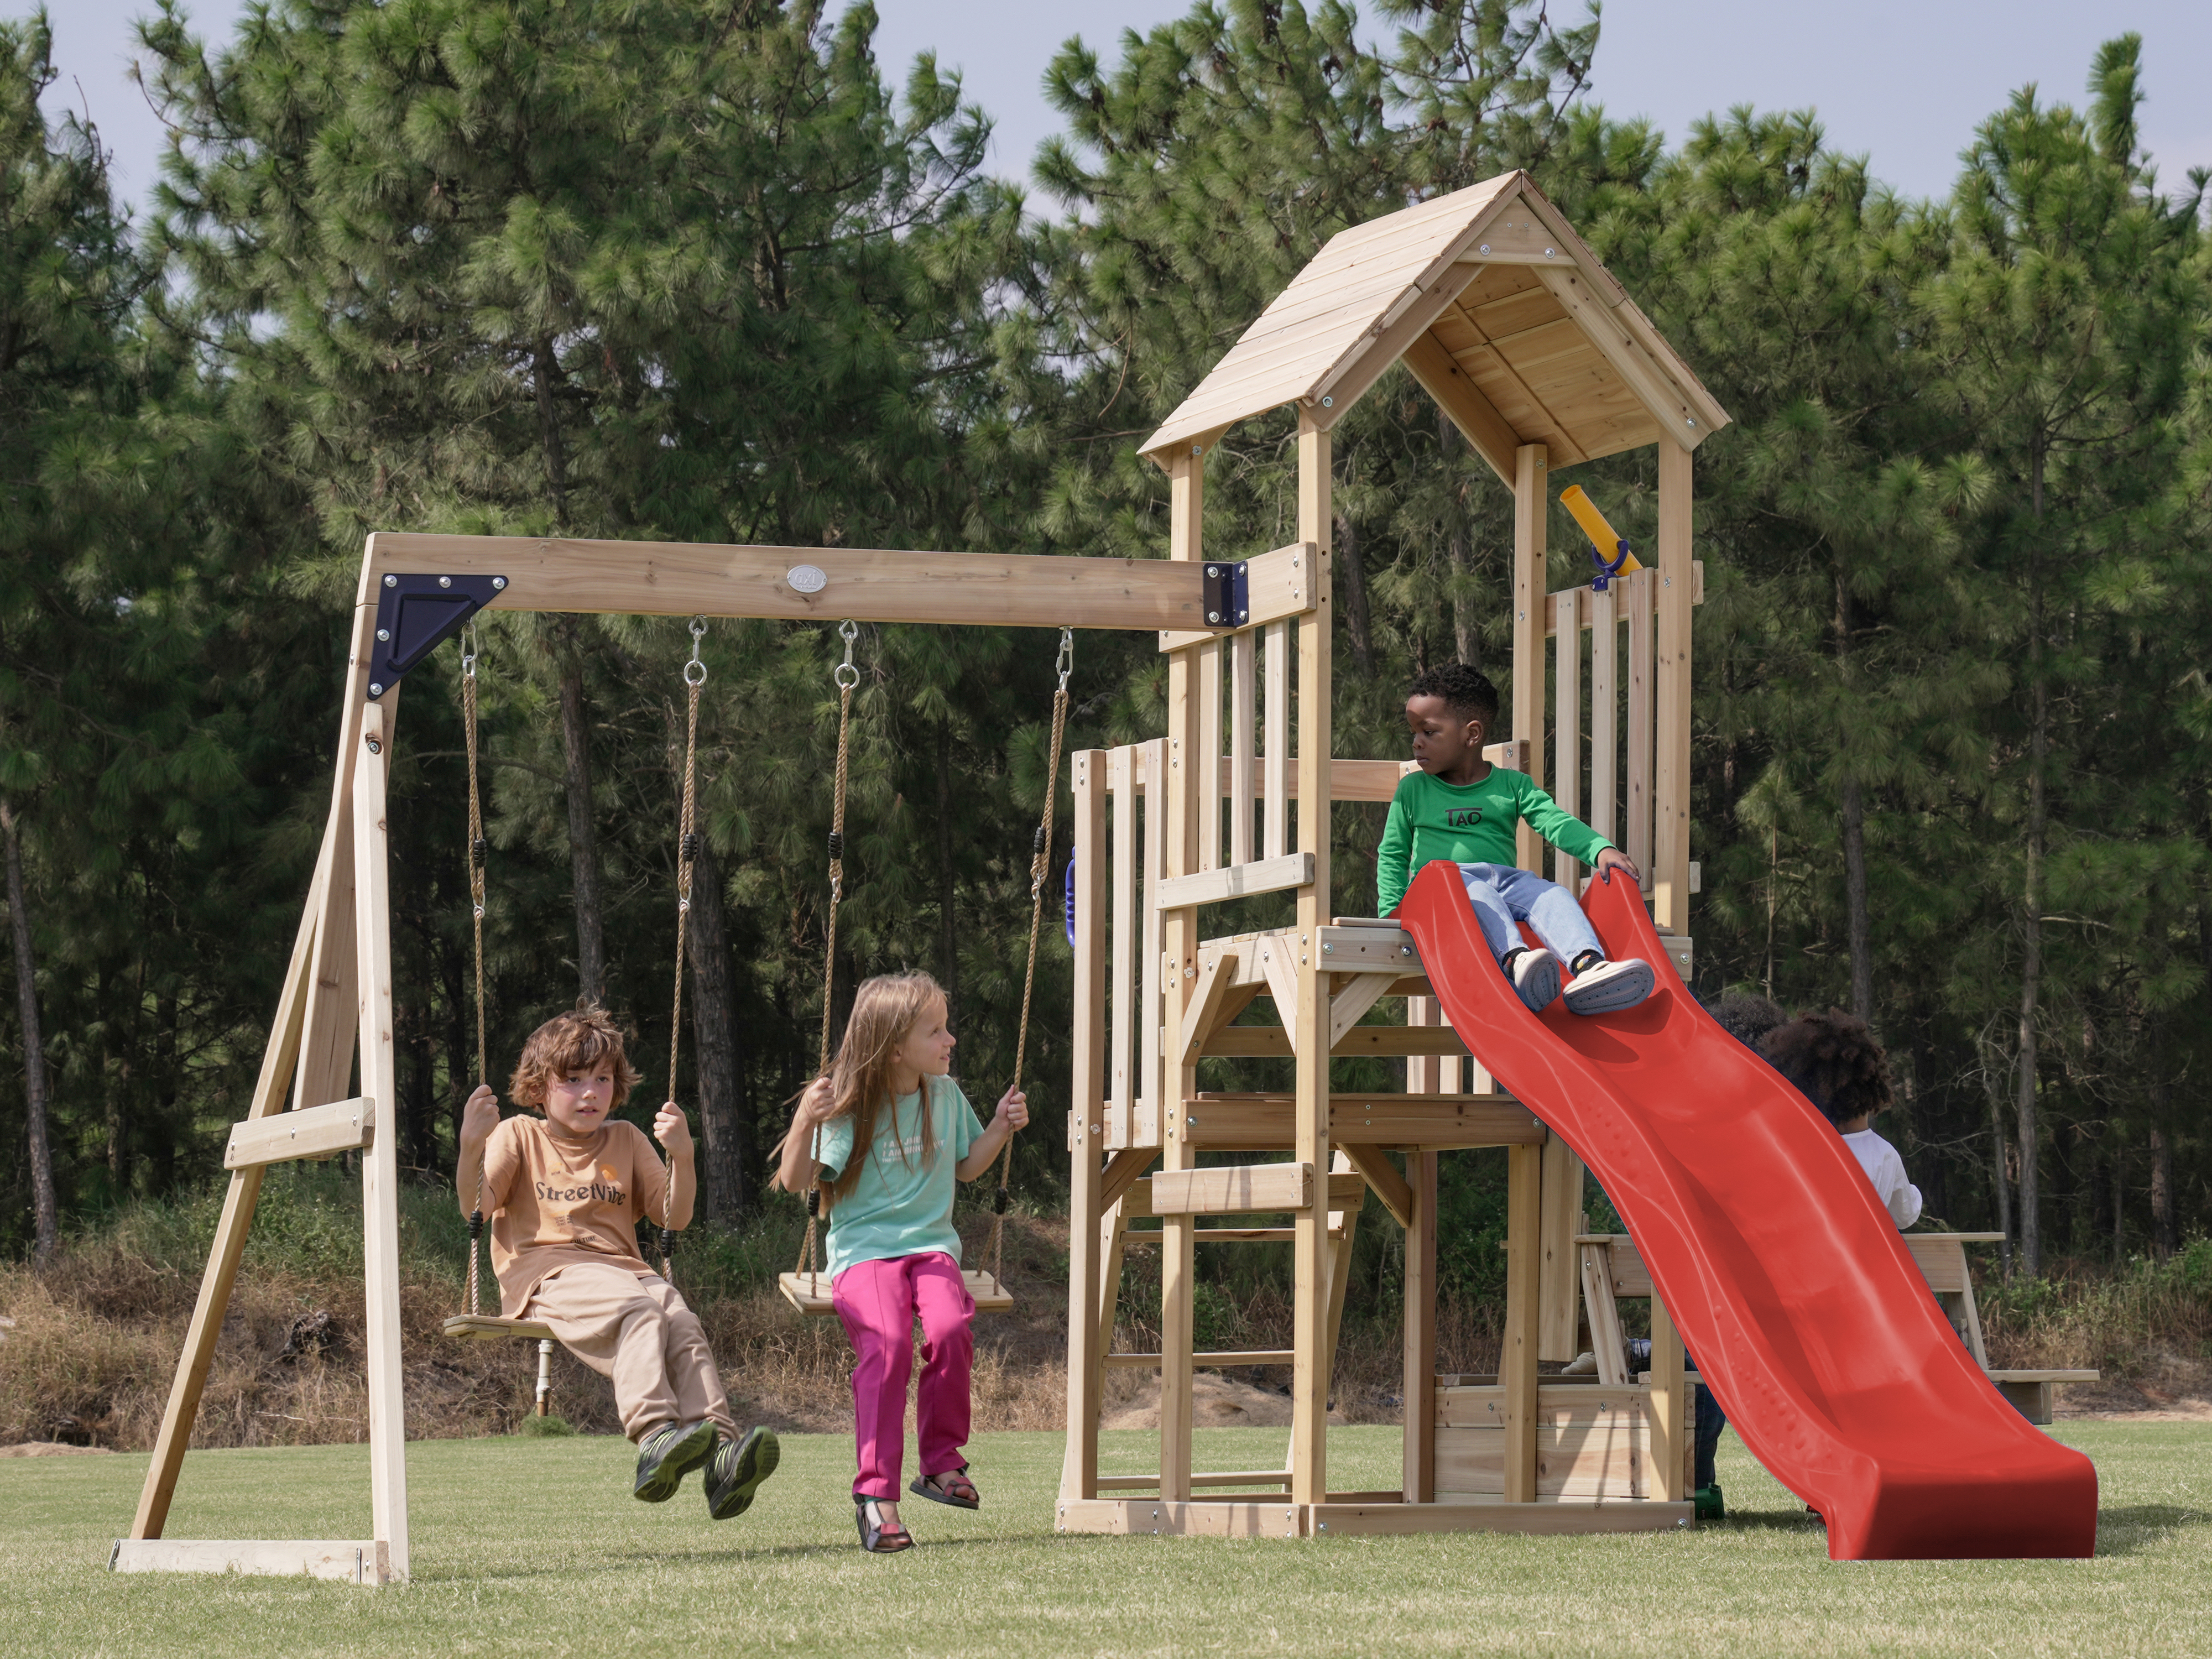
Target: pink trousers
x=877, y=1301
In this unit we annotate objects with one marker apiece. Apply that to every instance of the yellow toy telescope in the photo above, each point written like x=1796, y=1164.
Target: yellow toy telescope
x=1609, y=548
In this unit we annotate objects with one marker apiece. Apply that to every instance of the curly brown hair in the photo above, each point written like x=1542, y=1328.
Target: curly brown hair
x=1834, y=1060
x=568, y=1043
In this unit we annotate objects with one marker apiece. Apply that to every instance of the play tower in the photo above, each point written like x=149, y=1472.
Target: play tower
x=1508, y=320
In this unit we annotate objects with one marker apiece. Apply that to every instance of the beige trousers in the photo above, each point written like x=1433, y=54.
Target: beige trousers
x=640, y=1333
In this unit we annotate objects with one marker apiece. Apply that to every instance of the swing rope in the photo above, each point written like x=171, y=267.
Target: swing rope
x=477, y=852
x=687, y=854
x=846, y=677
x=1040, y=867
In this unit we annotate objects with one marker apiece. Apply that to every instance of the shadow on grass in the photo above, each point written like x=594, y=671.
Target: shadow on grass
x=2135, y=1527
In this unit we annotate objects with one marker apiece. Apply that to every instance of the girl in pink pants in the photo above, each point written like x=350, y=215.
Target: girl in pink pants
x=885, y=1135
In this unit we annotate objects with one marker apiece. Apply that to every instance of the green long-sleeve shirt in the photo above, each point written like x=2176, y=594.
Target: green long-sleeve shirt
x=1469, y=823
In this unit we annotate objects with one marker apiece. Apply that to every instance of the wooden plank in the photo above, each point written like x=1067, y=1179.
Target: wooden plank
x=352, y=1561
x=379, y=1163
x=1942, y=1262
x=1487, y=432
x=1608, y=1464
x=1214, y=886
x=1086, y=1123
x=1604, y=715
x=279, y=1060
x=1207, y=689
x=1670, y=804
x=1121, y=945
x=1517, y=1357
x=1376, y=1042
x=1154, y=1091
x=1381, y=1175
x=1670, y=1402
x=1168, y=1517
x=1281, y=974
x=685, y=579
x=1419, y=1383
x=1669, y=408
x=1555, y=1519
x=1122, y=1172
x=1277, y=585
x=1530, y=496
x=1243, y=695
x=1113, y=1245
x=1354, y=999
x=1608, y=1344
x=1567, y=724
x=1267, y=1122
x=1638, y=594
x=488, y=1327
x=1562, y=1402
x=1216, y=978
x=317, y=1131
x=812, y=1293
x=1212, y=1477
x=1275, y=745
x=1238, y=1190
x=1223, y=1360
x=1559, y=1277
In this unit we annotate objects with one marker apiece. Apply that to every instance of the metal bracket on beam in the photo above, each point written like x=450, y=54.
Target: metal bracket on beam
x=416, y=615
x=1227, y=595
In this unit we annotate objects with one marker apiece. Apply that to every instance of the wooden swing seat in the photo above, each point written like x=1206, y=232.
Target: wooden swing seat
x=810, y=1292
x=489, y=1328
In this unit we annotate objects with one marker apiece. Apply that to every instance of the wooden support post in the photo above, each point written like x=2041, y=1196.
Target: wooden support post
x=1309, y=1385
x=1670, y=1417
x=1208, y=687
x=1530, y=566
x=1670, y=853
x=1640, y=707
x=1419, y=1391
x=1124, y=934
x=1567, y=724
x=1185, y=800
x=379, y=1162
x=1241, y=716
x=278, y=1061
x=1516, y=1360
x=1604, y=716
x=1154, y=1090
x=1562, y=1219
x=1086, y=1126
x=1275, y=718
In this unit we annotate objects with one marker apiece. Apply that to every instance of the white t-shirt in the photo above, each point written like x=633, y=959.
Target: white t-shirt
x=1887, y=1170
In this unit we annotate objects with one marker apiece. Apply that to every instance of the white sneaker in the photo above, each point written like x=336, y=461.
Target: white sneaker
x=1535, y=973
x=1606, y=988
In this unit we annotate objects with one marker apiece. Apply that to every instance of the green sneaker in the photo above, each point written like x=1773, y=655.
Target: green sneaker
x=736, y=1470
x=666, y=1454
x=1709, y=1505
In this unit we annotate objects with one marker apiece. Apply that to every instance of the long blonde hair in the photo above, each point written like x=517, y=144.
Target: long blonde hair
x=885, y=1010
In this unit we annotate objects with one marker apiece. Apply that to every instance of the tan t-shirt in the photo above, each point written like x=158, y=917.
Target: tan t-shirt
x=557, y=1199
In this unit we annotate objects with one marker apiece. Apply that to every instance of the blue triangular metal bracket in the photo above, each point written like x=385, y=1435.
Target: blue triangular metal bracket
x=1226, y=589
x=416, y=615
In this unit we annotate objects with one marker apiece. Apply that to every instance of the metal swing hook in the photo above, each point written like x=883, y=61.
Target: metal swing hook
x=1066, y=664
x=695, y=672
x=845, y=674
x=469, y=645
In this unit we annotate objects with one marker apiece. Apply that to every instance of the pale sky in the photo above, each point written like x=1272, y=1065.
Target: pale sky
x=1904, y=81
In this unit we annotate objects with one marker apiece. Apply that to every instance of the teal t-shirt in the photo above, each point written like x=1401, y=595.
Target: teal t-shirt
x=901, y=1205
x=1469, y=823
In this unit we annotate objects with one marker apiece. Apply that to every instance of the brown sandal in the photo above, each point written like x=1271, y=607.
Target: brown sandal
x=950, y=1486
x=878, y=1537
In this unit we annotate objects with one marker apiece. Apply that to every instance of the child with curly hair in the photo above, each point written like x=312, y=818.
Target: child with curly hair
x=1835, y=1063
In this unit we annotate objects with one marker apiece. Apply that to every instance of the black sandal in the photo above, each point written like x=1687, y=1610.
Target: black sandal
x=932, y=1487
x=878, y=1537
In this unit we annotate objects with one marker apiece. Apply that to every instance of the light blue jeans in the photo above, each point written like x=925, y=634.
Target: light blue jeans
x=1503, y=896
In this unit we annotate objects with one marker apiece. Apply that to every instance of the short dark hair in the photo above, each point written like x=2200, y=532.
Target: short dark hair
x=1835, y=1062
x=1746, y=1017
x=1465, y=690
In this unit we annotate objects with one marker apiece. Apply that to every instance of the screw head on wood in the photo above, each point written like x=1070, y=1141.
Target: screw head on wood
x=444, y=582
x=384, y=634
x=392, y=581
x=499, y=584
x=374, y=747
x=375, y=690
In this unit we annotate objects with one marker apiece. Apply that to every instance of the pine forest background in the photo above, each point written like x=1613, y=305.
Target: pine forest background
x=707, y=270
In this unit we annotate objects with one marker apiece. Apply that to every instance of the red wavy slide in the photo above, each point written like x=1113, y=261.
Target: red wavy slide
x=1807, y=1316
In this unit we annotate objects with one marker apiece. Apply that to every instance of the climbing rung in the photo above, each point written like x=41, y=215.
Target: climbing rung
x=1238, y=1189
x=342, y=1126
x=1233, y=881
x=1226, y=1360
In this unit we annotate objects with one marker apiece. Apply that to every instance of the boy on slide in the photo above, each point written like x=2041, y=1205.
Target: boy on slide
x=1458, y=806
x=565, y=1191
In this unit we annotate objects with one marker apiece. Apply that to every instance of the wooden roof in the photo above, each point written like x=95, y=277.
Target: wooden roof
x=1496, y=306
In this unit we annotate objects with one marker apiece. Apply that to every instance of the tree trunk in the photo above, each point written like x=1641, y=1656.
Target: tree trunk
x=583, y=836
x=45, y=1208
x=948, y=927
x=723, y=1126
x=2000, y=1178
x=1858, y=924
x=2164, y=1236
x=418, y=1086
x=1467, y=637
x=460, y=1045
x=545, y=368
x=1358, y=626
x=2031, y=975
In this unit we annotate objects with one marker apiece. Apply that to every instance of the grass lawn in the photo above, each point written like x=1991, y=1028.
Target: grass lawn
x=535, y=1547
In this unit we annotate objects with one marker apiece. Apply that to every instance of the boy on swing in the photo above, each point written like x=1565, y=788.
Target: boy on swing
x=565, y=1191
x=1458, y=806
